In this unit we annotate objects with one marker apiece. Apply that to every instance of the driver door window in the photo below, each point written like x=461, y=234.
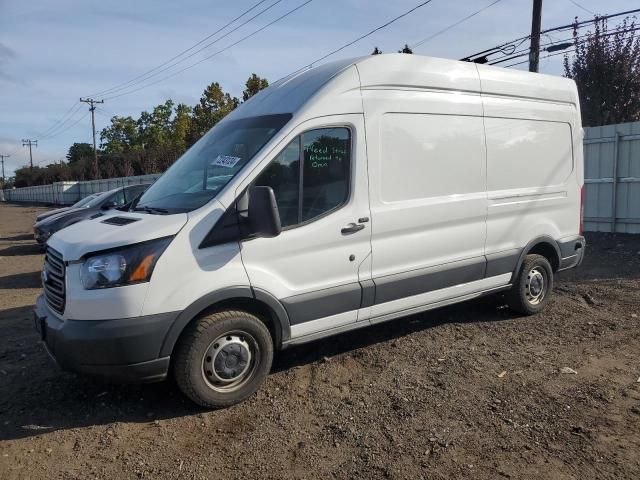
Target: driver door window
x=317, y=186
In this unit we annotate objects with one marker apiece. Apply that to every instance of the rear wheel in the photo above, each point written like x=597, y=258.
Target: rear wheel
x=532, y=286
x=223, y=358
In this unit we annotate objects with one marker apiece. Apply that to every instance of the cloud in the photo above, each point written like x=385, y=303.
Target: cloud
x=6, y=53
x=6, y=56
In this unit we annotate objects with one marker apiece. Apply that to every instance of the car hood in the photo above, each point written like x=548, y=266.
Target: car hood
x=51, y=213
x=61, y=220
x=95, y=235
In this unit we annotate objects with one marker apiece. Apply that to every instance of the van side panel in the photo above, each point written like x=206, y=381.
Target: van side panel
x=428, y=193
x=527, y=154
x=532, y=173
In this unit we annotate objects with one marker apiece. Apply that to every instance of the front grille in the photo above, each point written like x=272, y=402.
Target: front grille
x=53, y=280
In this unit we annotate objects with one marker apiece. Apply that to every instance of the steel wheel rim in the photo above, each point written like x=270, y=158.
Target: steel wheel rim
x=536, y=285
x=230, y=361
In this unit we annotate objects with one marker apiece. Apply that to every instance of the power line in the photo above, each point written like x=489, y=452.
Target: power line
x=542, y=58
x=42, y=161
x=560, y=45
x=572, y=50
x=59, y=122
x=184, y=51
x=500, y=48
x=18, y=147
x=67, y=116
x=59, y=128
x=62, y=131
x=68, y=126
x=361, y=37
x=246, y=37
x=440, y=32
x=393, y=20
x=104, y=113
x=580, y=6
x=170, y=64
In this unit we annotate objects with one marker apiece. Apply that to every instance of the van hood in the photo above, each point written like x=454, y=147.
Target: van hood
x=114, y=230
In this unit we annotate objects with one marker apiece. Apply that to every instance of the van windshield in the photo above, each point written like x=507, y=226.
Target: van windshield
x=205, y=169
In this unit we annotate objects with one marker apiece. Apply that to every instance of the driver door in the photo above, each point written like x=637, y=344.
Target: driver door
x=319, y=263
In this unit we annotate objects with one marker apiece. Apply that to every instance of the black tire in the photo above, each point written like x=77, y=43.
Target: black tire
x=522, y=297
x=200, y=363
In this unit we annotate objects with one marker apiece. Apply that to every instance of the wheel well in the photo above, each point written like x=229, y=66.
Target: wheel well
x=249, y=305
x=548, y=251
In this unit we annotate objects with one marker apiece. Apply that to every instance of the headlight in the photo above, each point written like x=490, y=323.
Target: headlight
x=41, y=234
x=123, y=266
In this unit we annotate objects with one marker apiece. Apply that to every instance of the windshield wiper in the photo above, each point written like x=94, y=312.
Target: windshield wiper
x=152, y=210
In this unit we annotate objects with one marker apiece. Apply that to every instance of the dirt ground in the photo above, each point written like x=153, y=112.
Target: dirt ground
x=469, y=391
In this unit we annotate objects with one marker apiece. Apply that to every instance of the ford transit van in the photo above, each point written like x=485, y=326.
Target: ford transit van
x=356, y=192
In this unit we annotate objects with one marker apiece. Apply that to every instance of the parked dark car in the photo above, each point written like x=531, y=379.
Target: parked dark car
x=79, y=204
x=115, y=198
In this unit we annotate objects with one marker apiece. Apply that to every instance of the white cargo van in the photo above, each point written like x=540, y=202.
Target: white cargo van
x=353, y=193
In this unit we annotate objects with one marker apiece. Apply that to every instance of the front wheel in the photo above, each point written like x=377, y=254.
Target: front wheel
x=532, y=286
x=223, y=358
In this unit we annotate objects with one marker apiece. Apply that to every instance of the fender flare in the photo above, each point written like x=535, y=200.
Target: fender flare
x=546, y=239
x=281, y=320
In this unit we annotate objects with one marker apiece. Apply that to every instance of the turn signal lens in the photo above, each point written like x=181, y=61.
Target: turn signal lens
x=143, y=270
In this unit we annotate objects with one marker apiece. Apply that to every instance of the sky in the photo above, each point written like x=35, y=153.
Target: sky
x=54, y=52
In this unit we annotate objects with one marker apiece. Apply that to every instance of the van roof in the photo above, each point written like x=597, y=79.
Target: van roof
x=403, y=71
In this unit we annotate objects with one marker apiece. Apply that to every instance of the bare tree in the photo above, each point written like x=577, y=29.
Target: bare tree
x=606, y=69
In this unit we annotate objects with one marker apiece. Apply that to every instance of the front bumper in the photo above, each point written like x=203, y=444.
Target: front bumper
x=41, y=236
x=121, y=349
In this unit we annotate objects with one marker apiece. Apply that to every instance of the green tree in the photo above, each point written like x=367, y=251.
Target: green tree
x=121, y=136
x=154, y=129
x=253, y=85
x=78, y=152
x=606, y=69
x=181, y=125
x=214, y=105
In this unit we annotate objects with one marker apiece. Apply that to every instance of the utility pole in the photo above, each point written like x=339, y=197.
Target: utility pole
x=2, y=157
x=92, y=109
x=28, y=142
x=534, y=51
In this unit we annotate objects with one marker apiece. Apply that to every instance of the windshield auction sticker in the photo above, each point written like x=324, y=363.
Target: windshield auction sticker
x=225, y=161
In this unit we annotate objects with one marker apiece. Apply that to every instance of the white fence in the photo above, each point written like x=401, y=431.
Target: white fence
x=67, y=193
x=612, y=178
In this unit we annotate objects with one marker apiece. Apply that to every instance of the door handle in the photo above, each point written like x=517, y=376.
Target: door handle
x=351, y=228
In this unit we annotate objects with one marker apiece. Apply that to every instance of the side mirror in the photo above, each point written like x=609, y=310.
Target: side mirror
x=108, y=205
x=264, y=217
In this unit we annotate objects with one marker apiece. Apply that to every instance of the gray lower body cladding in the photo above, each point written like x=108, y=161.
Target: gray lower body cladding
x=123, y=349
x=335, y=300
